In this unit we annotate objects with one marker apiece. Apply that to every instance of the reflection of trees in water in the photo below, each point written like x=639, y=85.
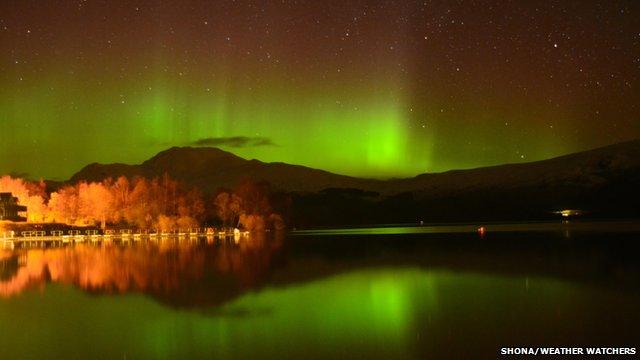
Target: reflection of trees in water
x=204, y=274
x=8, y=266
x=182, y=274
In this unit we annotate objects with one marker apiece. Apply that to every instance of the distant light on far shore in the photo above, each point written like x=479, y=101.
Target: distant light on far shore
x=565, y=213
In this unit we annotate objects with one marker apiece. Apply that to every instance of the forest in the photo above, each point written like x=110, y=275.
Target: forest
x=160, y=203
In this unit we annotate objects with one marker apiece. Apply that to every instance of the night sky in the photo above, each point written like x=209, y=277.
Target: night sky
x=367, y=88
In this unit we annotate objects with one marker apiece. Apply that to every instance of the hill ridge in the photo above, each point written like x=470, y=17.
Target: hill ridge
x=210, y=168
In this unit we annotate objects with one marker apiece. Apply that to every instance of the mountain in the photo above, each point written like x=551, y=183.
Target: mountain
x=603, y=182
x=583, y=169
x=212, y=168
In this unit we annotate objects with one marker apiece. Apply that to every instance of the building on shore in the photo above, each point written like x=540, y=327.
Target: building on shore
x=10, y=209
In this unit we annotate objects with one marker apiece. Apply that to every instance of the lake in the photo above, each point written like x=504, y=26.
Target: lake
x=401, y=292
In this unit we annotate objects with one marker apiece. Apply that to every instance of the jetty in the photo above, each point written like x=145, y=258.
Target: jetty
x=10, y=240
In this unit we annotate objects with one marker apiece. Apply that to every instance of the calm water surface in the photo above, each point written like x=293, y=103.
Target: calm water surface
x=350, y=294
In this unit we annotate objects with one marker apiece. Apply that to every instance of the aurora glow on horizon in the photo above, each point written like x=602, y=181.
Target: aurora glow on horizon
x=366, y=88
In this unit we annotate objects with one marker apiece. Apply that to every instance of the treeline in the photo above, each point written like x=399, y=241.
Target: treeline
x=158, y=203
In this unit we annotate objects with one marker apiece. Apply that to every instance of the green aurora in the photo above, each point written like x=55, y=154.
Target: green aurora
x=360, y=89
x=366, y=135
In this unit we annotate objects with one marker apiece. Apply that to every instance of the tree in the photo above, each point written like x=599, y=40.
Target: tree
x=228, y=207
x=63, y=205
x=255, y=197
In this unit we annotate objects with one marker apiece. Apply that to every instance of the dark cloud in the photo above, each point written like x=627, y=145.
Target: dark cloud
x=234, y=141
